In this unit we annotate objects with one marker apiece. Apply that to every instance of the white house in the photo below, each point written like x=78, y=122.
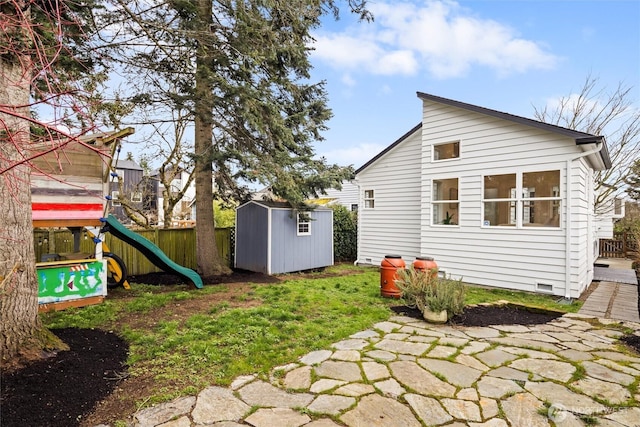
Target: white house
x=497, y=199
x=611, y=209
x=347, y=196
x=184, y=209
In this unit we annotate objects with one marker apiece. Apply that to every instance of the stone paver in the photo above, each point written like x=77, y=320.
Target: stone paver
x=405, y=372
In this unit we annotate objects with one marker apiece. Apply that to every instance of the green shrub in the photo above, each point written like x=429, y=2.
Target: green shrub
x=345, y=234
x=421, y=289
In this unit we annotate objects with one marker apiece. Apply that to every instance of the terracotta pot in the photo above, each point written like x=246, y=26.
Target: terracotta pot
x=434, y=317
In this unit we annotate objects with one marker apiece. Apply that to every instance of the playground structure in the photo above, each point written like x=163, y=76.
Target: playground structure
x=69, y=189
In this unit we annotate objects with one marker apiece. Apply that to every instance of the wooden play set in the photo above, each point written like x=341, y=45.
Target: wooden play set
x=68, y=189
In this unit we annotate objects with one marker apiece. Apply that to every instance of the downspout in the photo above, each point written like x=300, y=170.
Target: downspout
x=569, y=236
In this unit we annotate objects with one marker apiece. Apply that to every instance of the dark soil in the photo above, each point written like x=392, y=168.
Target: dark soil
x=61, y=389
x=88, y=385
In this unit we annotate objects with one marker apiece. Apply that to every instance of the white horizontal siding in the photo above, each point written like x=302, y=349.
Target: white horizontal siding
x=503, y=257
x=508, y=258
x=393, y=225
x=346, y=197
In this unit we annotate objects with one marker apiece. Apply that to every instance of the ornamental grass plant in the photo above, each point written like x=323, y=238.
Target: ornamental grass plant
x=426, y=290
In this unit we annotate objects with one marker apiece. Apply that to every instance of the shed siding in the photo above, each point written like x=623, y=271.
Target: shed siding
x=252, y=238
x=508, y=258
x=290, y=252
x=393, y=225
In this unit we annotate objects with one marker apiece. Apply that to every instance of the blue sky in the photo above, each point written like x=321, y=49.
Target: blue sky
x=504, y=55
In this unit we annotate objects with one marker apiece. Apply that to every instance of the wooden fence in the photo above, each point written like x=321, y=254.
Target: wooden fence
x=623, y=245
x=179, y=244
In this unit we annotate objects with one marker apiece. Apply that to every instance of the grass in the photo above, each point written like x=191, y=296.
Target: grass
x=276, y=324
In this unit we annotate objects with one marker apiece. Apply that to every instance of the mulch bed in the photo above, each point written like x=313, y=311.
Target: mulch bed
x=486, y=315
x=59, y=390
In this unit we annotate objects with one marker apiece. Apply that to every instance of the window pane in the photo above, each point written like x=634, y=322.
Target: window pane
x=445, y=213
x=541, y=184
x=368, y=203
x=499, y=186
x=445, y=189
x=368, y=194
x=446, y=151
x=541, y=213
x=499, y=214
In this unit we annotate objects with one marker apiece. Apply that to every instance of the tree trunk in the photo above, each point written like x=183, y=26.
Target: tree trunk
x=208, y=259
x=21, y=332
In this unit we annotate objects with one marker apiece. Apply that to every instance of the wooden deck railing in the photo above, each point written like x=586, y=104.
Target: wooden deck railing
x=623, y=245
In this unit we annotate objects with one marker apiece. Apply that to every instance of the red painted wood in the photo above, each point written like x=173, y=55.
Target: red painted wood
x=67, y=206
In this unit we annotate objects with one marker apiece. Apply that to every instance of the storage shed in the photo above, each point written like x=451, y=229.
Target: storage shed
x=272, y=238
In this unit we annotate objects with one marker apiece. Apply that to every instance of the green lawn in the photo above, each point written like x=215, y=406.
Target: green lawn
x=210, y=336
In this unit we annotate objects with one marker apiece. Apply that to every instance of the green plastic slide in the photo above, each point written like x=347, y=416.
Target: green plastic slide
x=150, y=250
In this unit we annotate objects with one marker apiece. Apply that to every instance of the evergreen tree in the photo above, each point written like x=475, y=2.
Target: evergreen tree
x=243, y=70
x=633, y=181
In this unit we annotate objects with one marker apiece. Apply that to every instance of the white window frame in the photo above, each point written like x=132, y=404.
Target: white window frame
x=115, y=197
x=369, y=199
x=519, y=207
x=434, y=152
x=303, y=224
x=354, y=207
x=436, y=201
x=136, y=197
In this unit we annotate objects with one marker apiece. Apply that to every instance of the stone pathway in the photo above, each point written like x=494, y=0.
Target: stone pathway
x=405, y=372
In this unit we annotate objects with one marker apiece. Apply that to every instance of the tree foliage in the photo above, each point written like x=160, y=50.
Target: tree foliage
x=611, y=114
x=633, y=181
x=242, y=70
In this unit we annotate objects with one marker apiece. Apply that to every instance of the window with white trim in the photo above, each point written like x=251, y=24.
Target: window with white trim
x=524, y=199
x=444, y=202
x=354, y=207
x=304, y=224
x=446, y=151
x=136, y=197
x=369, y=199
x=115, y=196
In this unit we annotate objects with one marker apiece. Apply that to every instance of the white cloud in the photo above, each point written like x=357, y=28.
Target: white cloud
x=440, y=37
x=356, y=155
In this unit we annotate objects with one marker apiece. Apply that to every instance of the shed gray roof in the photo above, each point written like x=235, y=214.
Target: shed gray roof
x=128, y=164
x=579, y=137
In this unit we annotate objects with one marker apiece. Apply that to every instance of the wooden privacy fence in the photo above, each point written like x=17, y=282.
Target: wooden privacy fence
x=179, y=244
x=623, y=245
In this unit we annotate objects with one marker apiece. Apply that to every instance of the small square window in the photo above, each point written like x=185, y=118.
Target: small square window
x=115, y=198
x=136, y=197
x=304, y=224
x=449, y=150
x=369, y=199
x=354, y=207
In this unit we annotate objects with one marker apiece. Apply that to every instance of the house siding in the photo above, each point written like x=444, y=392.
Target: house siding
x=346, y=197
x=393, y=225
x=500, y=257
